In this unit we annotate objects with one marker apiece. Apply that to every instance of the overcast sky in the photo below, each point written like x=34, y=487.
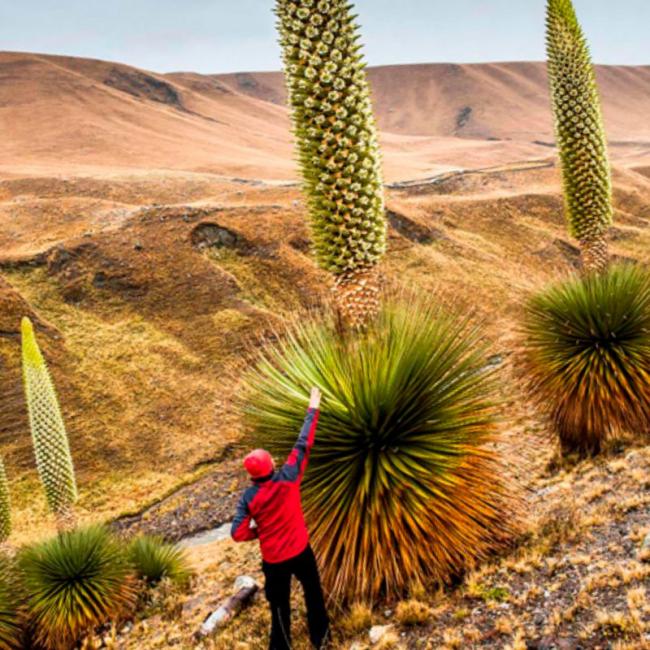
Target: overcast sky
x=234, y=35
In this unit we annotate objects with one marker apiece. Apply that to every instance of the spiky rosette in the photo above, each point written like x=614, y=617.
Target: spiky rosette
x=75, y=582
x=12, y=634
x=153, y=560
x=588, y=356
x=5, y=505
x=403, y=484
x=336, y=135
x=580, y=133
x=49, y=435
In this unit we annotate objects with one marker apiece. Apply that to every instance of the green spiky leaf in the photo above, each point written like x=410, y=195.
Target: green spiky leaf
x=155, y=560
x=588, y=355
x=49, y=435
x=75, y=582
x=11, y=606
x=579, y=124
x=403, y=484
x=335, y=132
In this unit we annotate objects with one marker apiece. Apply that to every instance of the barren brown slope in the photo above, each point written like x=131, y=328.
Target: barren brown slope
x=71, y=113
x=147, y=272
x=480, y=101
x=144, y=310
x=82, y=116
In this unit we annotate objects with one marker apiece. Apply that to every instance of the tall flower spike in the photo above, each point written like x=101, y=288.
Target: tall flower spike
x=337, y=147
x=5, y=505
x=51, y=448
x=580, y=134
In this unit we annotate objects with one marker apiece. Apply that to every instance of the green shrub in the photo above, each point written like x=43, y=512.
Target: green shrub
x=11, y=606
x=588, y=356
x=154, y=560
x=403, y=483
x=75, y=581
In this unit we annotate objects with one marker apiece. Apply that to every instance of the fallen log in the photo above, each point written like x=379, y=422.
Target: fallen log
x=245, y=590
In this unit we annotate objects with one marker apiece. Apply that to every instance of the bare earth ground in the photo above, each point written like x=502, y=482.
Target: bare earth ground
x=152, y=227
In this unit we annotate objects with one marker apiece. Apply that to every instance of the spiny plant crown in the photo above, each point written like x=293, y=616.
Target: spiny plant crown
x=403, y=484
x=588, y=355
x=49, y=435
x=12, y=635
x=335, y=130
x=75, y=582
x=579, y=124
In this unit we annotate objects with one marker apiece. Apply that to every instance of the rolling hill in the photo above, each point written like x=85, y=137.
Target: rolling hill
x=88, y=116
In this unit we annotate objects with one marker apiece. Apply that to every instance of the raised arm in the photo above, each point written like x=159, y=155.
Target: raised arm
x=294, y=468
x=241, y=530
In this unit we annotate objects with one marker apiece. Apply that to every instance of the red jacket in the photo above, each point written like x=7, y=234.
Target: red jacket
x=274, y=504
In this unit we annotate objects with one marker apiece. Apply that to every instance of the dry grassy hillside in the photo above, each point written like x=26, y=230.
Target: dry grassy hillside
x=143, y=308
x=152, y=228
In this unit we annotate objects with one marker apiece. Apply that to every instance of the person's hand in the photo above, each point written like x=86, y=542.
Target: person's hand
x=314, y=400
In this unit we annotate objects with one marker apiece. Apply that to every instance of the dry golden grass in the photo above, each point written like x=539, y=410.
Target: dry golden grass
x=145, y=370
x=413, y=612
x=357, y=620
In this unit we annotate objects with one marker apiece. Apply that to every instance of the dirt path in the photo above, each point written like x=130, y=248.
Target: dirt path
x=206, y=504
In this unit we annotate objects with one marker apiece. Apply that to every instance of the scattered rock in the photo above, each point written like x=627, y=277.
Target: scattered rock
x=138, y=246
x=378, y=632
x=244, y=582
x=207, y=235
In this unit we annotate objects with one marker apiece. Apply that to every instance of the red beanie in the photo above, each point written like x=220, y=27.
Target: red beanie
x=259, y=463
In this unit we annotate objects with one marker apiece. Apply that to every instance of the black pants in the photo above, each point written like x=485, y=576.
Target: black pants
x=278, y=589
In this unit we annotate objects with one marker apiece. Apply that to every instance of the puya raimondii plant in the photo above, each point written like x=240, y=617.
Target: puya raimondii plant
x=588, y=356
x=337, y=147
x=586, y=338
x=49, y=436
x=404, y=484
x=580, y=134
x=75, y=581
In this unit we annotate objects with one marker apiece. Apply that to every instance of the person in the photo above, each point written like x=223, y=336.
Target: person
x=270, y=510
